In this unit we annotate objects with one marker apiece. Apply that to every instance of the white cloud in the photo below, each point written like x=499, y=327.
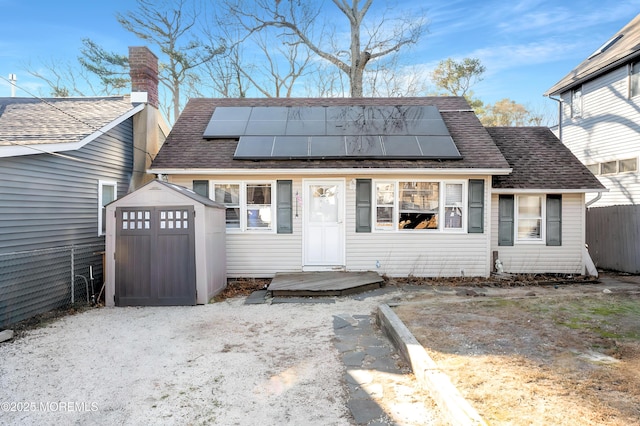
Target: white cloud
x=500, y=58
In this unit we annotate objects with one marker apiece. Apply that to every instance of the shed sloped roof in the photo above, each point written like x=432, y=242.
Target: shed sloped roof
x=540, y=161
x=185, y=147
x=185, y=192
x=624, y=50
x=40, y=122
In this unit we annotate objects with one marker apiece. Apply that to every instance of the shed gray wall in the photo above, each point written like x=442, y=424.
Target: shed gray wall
x=51, y=202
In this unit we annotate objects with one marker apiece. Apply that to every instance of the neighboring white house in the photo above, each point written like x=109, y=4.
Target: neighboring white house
x=600, y=110
x=401, y=186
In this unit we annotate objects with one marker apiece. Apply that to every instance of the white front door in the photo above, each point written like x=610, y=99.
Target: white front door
x=324, y=227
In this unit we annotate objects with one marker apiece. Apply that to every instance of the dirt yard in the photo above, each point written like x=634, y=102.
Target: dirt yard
x=561, y=355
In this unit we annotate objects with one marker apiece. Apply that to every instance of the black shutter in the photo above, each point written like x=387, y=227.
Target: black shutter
x=476, y=206
x=201, y=187
x=363, y=205
x=285, y=206
x=505, y=220
x=554, y=220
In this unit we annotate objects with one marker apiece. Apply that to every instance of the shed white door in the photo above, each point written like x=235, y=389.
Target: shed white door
x=324, y=228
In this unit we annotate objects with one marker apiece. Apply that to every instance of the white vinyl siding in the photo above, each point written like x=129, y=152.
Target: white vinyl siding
x=260, y=254
x=609, y=130
x=427, y=254
x=422, y=254
x=540, y=258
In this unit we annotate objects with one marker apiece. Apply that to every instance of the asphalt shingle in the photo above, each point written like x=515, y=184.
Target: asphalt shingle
x=539, y=161
x=31, y=121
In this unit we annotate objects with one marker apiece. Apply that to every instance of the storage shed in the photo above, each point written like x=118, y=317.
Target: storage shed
x=165, y=245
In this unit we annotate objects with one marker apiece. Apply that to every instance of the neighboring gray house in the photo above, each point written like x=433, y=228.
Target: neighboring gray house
x=61, y=161
x=401, y=186
x=600, y=114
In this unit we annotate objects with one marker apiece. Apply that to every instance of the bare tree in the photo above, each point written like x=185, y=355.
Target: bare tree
x=64, y=79
x=171, y=25
x=282, y=70
x=366, y=43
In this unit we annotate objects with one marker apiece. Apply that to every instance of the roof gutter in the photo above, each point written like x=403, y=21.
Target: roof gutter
x=588, y=75
x=336, y=171
x=550, y=191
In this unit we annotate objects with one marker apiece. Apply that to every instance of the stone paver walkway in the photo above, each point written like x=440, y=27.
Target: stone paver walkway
x=381, y=388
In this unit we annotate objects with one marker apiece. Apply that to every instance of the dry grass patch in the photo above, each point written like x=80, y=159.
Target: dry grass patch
x=561, y=360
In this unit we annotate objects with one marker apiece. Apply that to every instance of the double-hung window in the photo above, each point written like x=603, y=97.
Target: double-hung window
x=107, y=192
x=258, y=199
x=385, y=205
x=529, y=217
x=248, y=205
x=229, y=195
x=453, y=206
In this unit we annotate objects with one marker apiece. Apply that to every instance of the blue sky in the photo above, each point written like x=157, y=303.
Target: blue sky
x=526, y=45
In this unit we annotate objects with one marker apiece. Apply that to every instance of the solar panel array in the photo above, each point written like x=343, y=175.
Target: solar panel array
x=393, y=132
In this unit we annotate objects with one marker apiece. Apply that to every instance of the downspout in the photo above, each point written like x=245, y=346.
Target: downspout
x=588, y=204
x=559, y=101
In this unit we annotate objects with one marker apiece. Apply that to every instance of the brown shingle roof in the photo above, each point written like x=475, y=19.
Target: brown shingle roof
x=29, y=121
x=621, y=52
x=539, y=161
x=186, y=148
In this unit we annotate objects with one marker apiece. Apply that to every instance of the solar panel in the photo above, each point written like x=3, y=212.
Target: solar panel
x=228, y=122
x=438, y=147
x=401, y=146
x=254, y=147
x=399, y=132
x=290, y=147
x=266, y=127
x=327, y=147
x=365, y=146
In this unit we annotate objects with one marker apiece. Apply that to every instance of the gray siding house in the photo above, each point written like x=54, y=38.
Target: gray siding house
x=61, y=161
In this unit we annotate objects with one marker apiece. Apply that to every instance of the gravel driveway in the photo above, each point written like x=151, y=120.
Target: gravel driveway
x=225, y=363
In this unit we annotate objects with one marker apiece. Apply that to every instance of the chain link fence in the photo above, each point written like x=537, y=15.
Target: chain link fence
x=36, y=281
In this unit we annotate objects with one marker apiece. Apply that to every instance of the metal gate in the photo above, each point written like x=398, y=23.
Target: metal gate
x=155, y=256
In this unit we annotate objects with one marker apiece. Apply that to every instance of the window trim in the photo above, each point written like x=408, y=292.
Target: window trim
x=441, y=206
x=577, y=112
x=604, y=173
x=243, y=205
x=393, y=205
x=631, y=79
x=635, y=170
x=596, y=166
x=101, y=206
x=543, y=220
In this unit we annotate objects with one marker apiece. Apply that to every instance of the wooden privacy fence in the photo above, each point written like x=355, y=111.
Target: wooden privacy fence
x=613, y=237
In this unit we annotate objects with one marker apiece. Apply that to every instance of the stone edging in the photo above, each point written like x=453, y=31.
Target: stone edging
x=457, y=410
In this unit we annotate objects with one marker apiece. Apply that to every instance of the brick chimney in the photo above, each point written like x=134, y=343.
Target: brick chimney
x=143, y=69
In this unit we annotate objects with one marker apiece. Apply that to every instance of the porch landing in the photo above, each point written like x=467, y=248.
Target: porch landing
x=331, y=283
